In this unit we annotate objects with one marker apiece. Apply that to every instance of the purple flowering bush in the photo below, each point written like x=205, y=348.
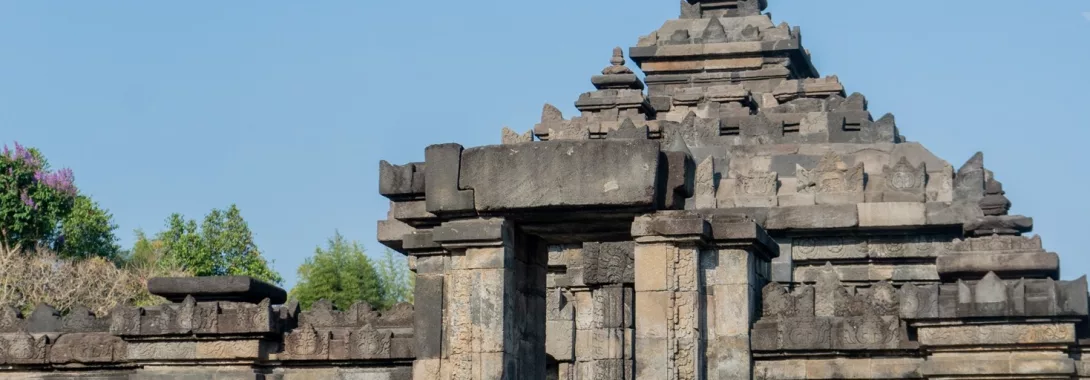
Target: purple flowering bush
x=41, y=207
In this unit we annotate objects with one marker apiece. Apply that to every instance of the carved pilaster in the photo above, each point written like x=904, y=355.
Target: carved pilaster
x=494, y=292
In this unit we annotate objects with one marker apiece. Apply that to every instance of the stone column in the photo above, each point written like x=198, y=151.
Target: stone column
x=735, y=270
x=669, y=296
x=431, y=263
x=495, y=302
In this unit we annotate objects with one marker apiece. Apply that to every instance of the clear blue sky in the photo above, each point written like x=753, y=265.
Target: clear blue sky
x=286, y=107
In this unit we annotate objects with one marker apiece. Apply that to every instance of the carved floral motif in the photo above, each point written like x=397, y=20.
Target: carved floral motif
x=831, y=175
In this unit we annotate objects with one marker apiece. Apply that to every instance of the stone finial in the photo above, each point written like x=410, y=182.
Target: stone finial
x=617, y=64
x=617, y=75
x=994, y=203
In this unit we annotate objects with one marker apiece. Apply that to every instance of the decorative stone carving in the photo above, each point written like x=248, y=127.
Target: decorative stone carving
x=832, y=176
x=756, y=184
x=969, y=182
x=706, y=184
x=714, y=32
x=756, y=189
x=306, y=343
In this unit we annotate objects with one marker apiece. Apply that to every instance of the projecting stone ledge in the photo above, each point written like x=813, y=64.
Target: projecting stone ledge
x=561, y=174
x=210, y=289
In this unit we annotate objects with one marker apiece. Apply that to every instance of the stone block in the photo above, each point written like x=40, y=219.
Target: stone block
x=428, y=316
x=161, y=351
x=839, y=198
x=970, y=335
x=797, y=199
x=779, y=370
x=892, y=214
x=609, y=263
x=785, y=165
x=619, y=173
x=471, y=231
x=224, y=288
x=400, y=181
x=812, y=217
x=560, y=339
x=445, y=194
x=650, y=266
x=952, y=213
x=1007, y=265
x=756, y=201
x=651, y=315
x=231, y=349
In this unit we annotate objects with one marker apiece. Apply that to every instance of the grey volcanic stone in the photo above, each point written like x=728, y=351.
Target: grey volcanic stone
x=428, y=316
x=561, y=174
x=812, y=217
x=1008, y=265
x=223, y=288
x=444, y=195
x=401, y=181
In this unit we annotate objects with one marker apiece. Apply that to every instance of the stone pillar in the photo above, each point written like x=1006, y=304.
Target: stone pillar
x=735, y=270
x=431, y=263
x=698, y=285
x=494, y=292
x=670, y=307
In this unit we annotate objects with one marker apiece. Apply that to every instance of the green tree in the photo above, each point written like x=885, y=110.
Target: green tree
x=340, y=273
x=223, y=245
x=87, y=231
x=397, y=280
x=41, y=207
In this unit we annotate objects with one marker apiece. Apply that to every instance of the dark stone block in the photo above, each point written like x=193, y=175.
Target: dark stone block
x=44, y=319
x=444, y=193
x=785, y=165
x=428, y=326
x=562, y=175
x=1007, y=264
x=420, y=240
x=224, y=288
x=401, y=181
x=1073, y=297
x=999, y=225
x=609, y=263
x=642, y=52
x=661, y=103
x=475, y=230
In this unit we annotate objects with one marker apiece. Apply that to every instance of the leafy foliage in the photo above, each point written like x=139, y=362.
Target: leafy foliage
x=40, y=207
x=223, y=245
x=30, y=207
x=397, y=281
x=87, y=231
x=340, y=273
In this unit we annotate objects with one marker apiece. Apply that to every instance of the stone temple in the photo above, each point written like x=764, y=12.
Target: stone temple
x=733, y=215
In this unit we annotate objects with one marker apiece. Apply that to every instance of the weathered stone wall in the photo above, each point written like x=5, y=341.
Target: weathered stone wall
x=221, y=328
